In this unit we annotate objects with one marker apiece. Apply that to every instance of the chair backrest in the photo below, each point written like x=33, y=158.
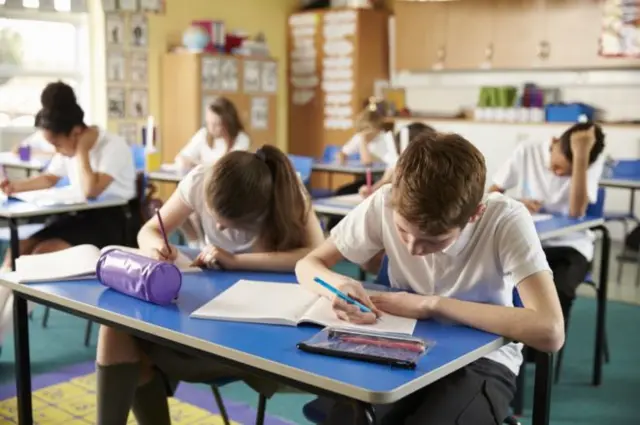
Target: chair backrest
x=383, y=273
x=331, y=152
x=597, y=208
x=138, y=157
x=303, y=165
x=626, y=168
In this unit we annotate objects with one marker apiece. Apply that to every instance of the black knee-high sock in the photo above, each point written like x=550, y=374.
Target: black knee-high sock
x=150, y=405
x=116, y=386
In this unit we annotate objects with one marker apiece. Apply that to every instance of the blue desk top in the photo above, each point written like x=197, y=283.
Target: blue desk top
x=349, y=166
x=269, y=347
x=14, y=208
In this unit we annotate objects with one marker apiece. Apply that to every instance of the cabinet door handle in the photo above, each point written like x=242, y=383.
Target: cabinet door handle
x=488, y=52
x=442, y=53
x=544, y=50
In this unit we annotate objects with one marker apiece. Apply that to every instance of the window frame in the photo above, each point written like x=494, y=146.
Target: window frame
x=82, y=76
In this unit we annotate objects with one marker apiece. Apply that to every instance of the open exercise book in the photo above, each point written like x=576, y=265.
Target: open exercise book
x=287, y=304
x=77, y=262
x=66, y=195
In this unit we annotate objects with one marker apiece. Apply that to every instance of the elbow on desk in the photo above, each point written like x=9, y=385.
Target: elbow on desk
x=551, y=338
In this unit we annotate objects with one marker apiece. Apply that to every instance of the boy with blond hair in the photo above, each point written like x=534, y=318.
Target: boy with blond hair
x=455, y=254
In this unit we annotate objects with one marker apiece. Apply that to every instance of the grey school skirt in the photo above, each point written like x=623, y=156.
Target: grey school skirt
x=176, y=366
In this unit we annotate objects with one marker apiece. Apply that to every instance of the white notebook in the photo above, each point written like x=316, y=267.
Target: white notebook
x=287, y=304
x=541, y=217
x=76, y=262
x=350, y=200
x=66, y=195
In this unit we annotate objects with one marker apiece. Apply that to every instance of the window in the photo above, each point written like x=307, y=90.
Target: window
x=38, y=47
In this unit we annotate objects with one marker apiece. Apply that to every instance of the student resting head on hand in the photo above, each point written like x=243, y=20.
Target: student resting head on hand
x=256, y=215
x=457, y=255
x=222, y=133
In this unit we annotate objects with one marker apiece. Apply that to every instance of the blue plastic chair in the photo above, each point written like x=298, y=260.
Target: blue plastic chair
x=329, y=155
x=303, y=165
x=138, y=157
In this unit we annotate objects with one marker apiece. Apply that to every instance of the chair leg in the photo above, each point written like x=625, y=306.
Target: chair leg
x=45, y=317
x=262, y=407
x=220, y=403
x=638, y=270
x=606, y=348
x=518, y=398
x=620, y=265
x=87, y=333
x=560, y=355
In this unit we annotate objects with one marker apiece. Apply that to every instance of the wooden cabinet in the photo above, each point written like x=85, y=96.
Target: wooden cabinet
x=421, y=35
x=469, y=41
x=518, y=35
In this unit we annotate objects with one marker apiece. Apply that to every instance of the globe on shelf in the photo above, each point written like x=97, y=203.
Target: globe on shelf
x=195, y=38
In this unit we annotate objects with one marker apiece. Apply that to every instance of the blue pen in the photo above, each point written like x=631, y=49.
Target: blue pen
x=342, y=295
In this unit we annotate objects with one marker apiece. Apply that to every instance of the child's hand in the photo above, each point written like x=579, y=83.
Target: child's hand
x=365, y=191
x=213, y=257
x=532, y=205
x=7, y=187
x=350, y=312
x=404, y=304
x=161, y=253
x=86, y=140
x=583, y=141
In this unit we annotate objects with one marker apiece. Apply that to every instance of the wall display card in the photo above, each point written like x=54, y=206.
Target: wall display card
x=109, y=5
x=251, y=80
x=128, y=5
x=229, y=74
x=116, y=67
x=343, y=16
x=269, y=77
x=307, y=66
x=155, y=6
x=138, y=68
x=114, y=25
x=302, y=96
x=128, y=131
x=337, y=62
x=259, y=113
x=305, y=82
x=303, y=20
x=338, y=98
x=138, y=30
x=206, y=102
x=303, y=53
x=210, y=73
x=338, y=30
x=338, y=48
x=338, y=74
x=337, y=86
x=338, y=123
x=343, y=111
x=116, y=102
x=138, y=100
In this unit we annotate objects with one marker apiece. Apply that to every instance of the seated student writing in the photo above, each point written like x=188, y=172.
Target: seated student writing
x=38, y=144
x=96, y=163
x=222, y=133
x=562, y=177
x=256, y=216
x=459, y=254
x=410, y=132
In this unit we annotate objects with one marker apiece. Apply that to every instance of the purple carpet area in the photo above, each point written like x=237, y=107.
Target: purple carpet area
x=188, y=393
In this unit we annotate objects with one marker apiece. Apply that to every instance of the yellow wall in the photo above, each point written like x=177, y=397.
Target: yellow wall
x=252, y=16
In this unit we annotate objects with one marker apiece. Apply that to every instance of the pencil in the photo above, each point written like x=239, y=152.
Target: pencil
x=369, y=178
x=162, y=230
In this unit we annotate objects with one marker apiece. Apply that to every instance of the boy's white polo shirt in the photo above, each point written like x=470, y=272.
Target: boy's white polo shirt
x=528, y=170
x=485, y=263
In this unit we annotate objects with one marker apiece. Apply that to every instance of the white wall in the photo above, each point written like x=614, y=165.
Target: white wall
x=615, y=91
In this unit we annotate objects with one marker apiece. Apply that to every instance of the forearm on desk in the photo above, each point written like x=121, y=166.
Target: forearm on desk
x=43, y=181
x=270, y=261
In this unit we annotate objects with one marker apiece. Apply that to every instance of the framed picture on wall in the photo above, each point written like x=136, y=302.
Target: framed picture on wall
x=138, y=30
x=138, y=68
x=210, y=73
x=128, y=5
x=116, y=67
x=138, y=103
x=251, y=81
x=229, y=74
x=116, y=102
x=109, y=5
x=114, y=26
x=155, y=6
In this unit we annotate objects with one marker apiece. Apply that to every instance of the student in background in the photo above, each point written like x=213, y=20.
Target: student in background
x=96, y=163
x=223, y=133
x=412, y=130
x=459, y=254
x=37, y=143
x=256, y=216
x=562, y=177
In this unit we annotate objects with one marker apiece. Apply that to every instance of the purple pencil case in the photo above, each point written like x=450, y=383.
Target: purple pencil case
x=150, y=280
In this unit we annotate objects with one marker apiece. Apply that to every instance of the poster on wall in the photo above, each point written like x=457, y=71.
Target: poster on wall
x=251, y=81
x=229, y=74
x=620, y=36
x=114, y=25
x=116, y=68
x=154, y=6
x=129, y=132
x=128, y=5
x=138, y=103
x=210, y=73
x=109, y=5
x=138, y=68
x=116, y=102
x=138, y=30
x=259, y=113
x=269, y=77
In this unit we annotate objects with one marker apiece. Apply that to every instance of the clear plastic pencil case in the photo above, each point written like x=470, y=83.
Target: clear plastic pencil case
x=391, y=349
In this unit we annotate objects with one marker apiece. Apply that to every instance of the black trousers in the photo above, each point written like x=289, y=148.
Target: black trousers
x=478, y=394
x=569, y=269
x=347, y=189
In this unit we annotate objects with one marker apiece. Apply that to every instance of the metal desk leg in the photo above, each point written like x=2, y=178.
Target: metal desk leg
x=14, y=242
x=542, y=389
x=23, y=366
x=368, y=413
x=602, y=305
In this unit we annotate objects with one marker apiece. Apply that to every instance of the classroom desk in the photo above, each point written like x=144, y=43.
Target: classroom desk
x=11, y=160
x=349, y=167
x=14, y=210
x=165, y=176
x=243, y=344
x=629, y=182
x=553, y=227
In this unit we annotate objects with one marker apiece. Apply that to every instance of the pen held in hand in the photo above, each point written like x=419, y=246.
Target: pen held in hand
x=363, y=308
x=163, y=231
